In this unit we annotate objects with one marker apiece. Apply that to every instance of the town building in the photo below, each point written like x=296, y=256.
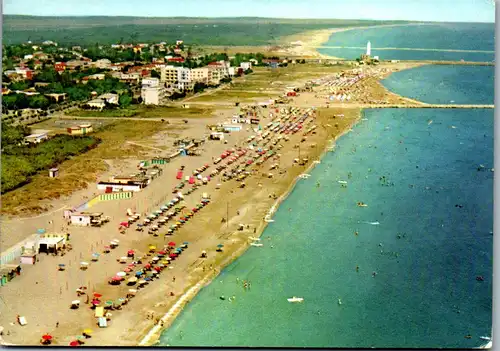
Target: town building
x=246, y=65
x=80, y=129
x=60, y=67
x=152, y=92
x=102, y=63
x=36, y=138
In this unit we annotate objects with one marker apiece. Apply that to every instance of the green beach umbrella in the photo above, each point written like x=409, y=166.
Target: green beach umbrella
x=220, y=245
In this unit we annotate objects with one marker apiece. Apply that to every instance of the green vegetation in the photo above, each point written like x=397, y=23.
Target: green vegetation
x=19, y=161
x=146, y=111
x=77, y=172
x=201, y=31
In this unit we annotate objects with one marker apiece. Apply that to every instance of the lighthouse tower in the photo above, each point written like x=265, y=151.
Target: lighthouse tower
x=368, y=49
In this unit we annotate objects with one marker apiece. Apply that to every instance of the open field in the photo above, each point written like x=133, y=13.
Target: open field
x=148, y=112
x=267, y=78
x=229, y=96
x=202, y=31
x=76, y=172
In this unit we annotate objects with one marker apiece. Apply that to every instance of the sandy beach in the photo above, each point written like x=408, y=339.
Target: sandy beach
x=155, y=306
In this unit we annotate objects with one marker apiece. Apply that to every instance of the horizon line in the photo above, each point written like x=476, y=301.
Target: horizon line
x=239, y=17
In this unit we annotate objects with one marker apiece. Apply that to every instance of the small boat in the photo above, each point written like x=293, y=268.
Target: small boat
x=362, y=204
x=295, y=299
x=340, y=302
x=252, y=238
x=342, y=181
x=487, y=338
x=255, y=244
x=304, y=176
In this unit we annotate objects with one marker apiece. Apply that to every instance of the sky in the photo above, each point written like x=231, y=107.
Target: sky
x=419, y=10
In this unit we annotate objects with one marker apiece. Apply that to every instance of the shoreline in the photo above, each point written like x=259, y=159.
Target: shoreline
x=311, y=39
x=153, y=336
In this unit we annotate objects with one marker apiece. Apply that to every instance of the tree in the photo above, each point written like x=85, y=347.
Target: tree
x=48, y=75
x=155, y=74
x=125, y=100
x=39, y=101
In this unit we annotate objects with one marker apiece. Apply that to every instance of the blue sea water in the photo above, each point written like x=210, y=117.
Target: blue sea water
x=449, y=36
x=427, y=232
x=437, y=84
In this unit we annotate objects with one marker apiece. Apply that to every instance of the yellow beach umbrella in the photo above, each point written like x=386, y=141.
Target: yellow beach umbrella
x=87, y=331
x=152, y=247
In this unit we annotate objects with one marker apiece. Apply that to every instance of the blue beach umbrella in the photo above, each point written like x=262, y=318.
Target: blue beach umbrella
x=220, y=245
x=138, y=273
x=40, y=231
x=61, y=265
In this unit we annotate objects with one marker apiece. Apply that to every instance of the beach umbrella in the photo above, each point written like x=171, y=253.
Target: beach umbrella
x=158, y=269
x=41, y=231
x=80, y=337
x=163, y=252
x=158, y=212
x=117, y=278
x=121, y=274
x=171, y=244
x=152, y=247
x=139, y=273
x=155, y=258
x=61, y=265
x=130, y=252
x=95, y=254
x=95, y=302
x=87, y=331
x=47, y=337
x=139, y=225
x=75, y=302
x=173, y=255
x=185, y=243
x=164, y=208
x=97, y=295
x=220, y=245
x=127, y=270
x=74, y=343
x=109, y=303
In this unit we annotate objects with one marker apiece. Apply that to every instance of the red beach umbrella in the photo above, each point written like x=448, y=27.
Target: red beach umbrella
x=117, y=278
x=171, y=243
x=96, y=302
x=47, y=337
x=74, y=343
x=173, y=255
x=97, y=295
x=163, y=252
x=158, y=269
x=130, y=252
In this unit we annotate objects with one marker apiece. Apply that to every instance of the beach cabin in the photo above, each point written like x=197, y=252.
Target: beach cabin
x=53, y=172
x=232, y=128
x=28, y=258
x=51, y=243
x=216, y=136
x=81, y=129
x=86, y=219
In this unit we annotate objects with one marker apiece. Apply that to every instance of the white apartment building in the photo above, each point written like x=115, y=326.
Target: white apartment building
x=246, y=65
x=152, y=92
x=185, y=78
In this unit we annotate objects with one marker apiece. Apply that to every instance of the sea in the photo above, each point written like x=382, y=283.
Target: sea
x=401, y=272
x=462, y=41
